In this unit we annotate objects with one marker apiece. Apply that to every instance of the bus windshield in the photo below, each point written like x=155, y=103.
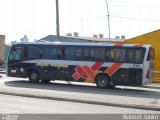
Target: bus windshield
x=15, y=54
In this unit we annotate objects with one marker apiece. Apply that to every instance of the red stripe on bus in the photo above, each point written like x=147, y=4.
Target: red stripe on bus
x=86, y=71
x=76, y=76
x=119, y=44
x=137, y=45
x=113, y=68
x=81, y=72
x=96, y=66
x=89, y=72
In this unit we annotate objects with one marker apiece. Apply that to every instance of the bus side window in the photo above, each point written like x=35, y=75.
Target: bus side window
x=131, y=56
x=53, y=53
x=106, y=56
x=59, y=53
x=122, y=55
x=33, y=52
x=69, y=53
x=89, y=54
x=25, y=53
x=135, y=55
x=78, y=54
x=116, y=55
x=49, y=52
x=73, y=53
x=99, y=54
x=111, y=55
x=139, y=56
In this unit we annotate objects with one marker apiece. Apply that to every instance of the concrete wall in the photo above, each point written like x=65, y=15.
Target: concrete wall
x=2, y=48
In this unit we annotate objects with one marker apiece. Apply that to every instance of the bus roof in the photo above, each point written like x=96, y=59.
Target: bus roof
x=82, y=44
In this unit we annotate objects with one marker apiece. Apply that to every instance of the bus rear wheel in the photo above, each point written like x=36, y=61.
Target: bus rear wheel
x=103, y=81
x=33, y=76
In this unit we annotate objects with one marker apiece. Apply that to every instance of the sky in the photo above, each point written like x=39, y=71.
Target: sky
x=37, y=18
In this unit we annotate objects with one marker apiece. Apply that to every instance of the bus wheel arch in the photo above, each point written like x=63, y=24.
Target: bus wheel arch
x=33, y=75
x=102, y=80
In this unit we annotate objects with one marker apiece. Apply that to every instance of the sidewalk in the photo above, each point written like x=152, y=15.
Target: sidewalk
x=90, y=98
x=2, y=71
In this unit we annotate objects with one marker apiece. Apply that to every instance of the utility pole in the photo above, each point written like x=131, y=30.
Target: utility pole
x=57, y=21
x=108, y=20
x=81, y=26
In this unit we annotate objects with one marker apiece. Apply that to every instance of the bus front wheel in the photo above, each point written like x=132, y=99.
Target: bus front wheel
x=33, y=76
x=103, y=81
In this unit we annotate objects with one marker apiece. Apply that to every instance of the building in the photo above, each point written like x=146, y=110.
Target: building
x=53, y=38
x=2, y=46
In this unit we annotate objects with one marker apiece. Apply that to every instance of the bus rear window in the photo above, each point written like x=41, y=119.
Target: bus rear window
x=151, y=54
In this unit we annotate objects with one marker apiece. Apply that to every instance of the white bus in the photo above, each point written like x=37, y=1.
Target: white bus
x=104, y=64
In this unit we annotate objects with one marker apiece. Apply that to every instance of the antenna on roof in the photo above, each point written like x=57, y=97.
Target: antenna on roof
x=95, y=35
x=101, y=35
x=75, y=34
x=69, y=34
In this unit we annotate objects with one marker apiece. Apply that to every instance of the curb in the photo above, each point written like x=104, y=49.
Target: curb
x=133, y=106
x=2, y=72
x=156, y=81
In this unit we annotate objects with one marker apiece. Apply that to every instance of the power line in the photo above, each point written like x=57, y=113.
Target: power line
x=123, y=5
x=119, y=17
x=140, y=6
x=139, y=19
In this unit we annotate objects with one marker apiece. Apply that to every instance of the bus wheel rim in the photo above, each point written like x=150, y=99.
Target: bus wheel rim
x=102, y=82
x=33, y=76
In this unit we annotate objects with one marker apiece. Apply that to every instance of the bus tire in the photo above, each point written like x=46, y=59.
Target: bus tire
x=112, y=86
x=45, y=80
x=33, y=76
x=103, y=81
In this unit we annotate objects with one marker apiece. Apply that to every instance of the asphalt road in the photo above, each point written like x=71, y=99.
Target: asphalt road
x=142, y=96
x=24, y=105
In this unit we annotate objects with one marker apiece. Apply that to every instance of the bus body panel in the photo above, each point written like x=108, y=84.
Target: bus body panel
x=124, y=74
x=148, y=70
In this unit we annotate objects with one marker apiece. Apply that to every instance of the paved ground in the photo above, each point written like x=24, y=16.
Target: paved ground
x=23, y=105
x=147, y=98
